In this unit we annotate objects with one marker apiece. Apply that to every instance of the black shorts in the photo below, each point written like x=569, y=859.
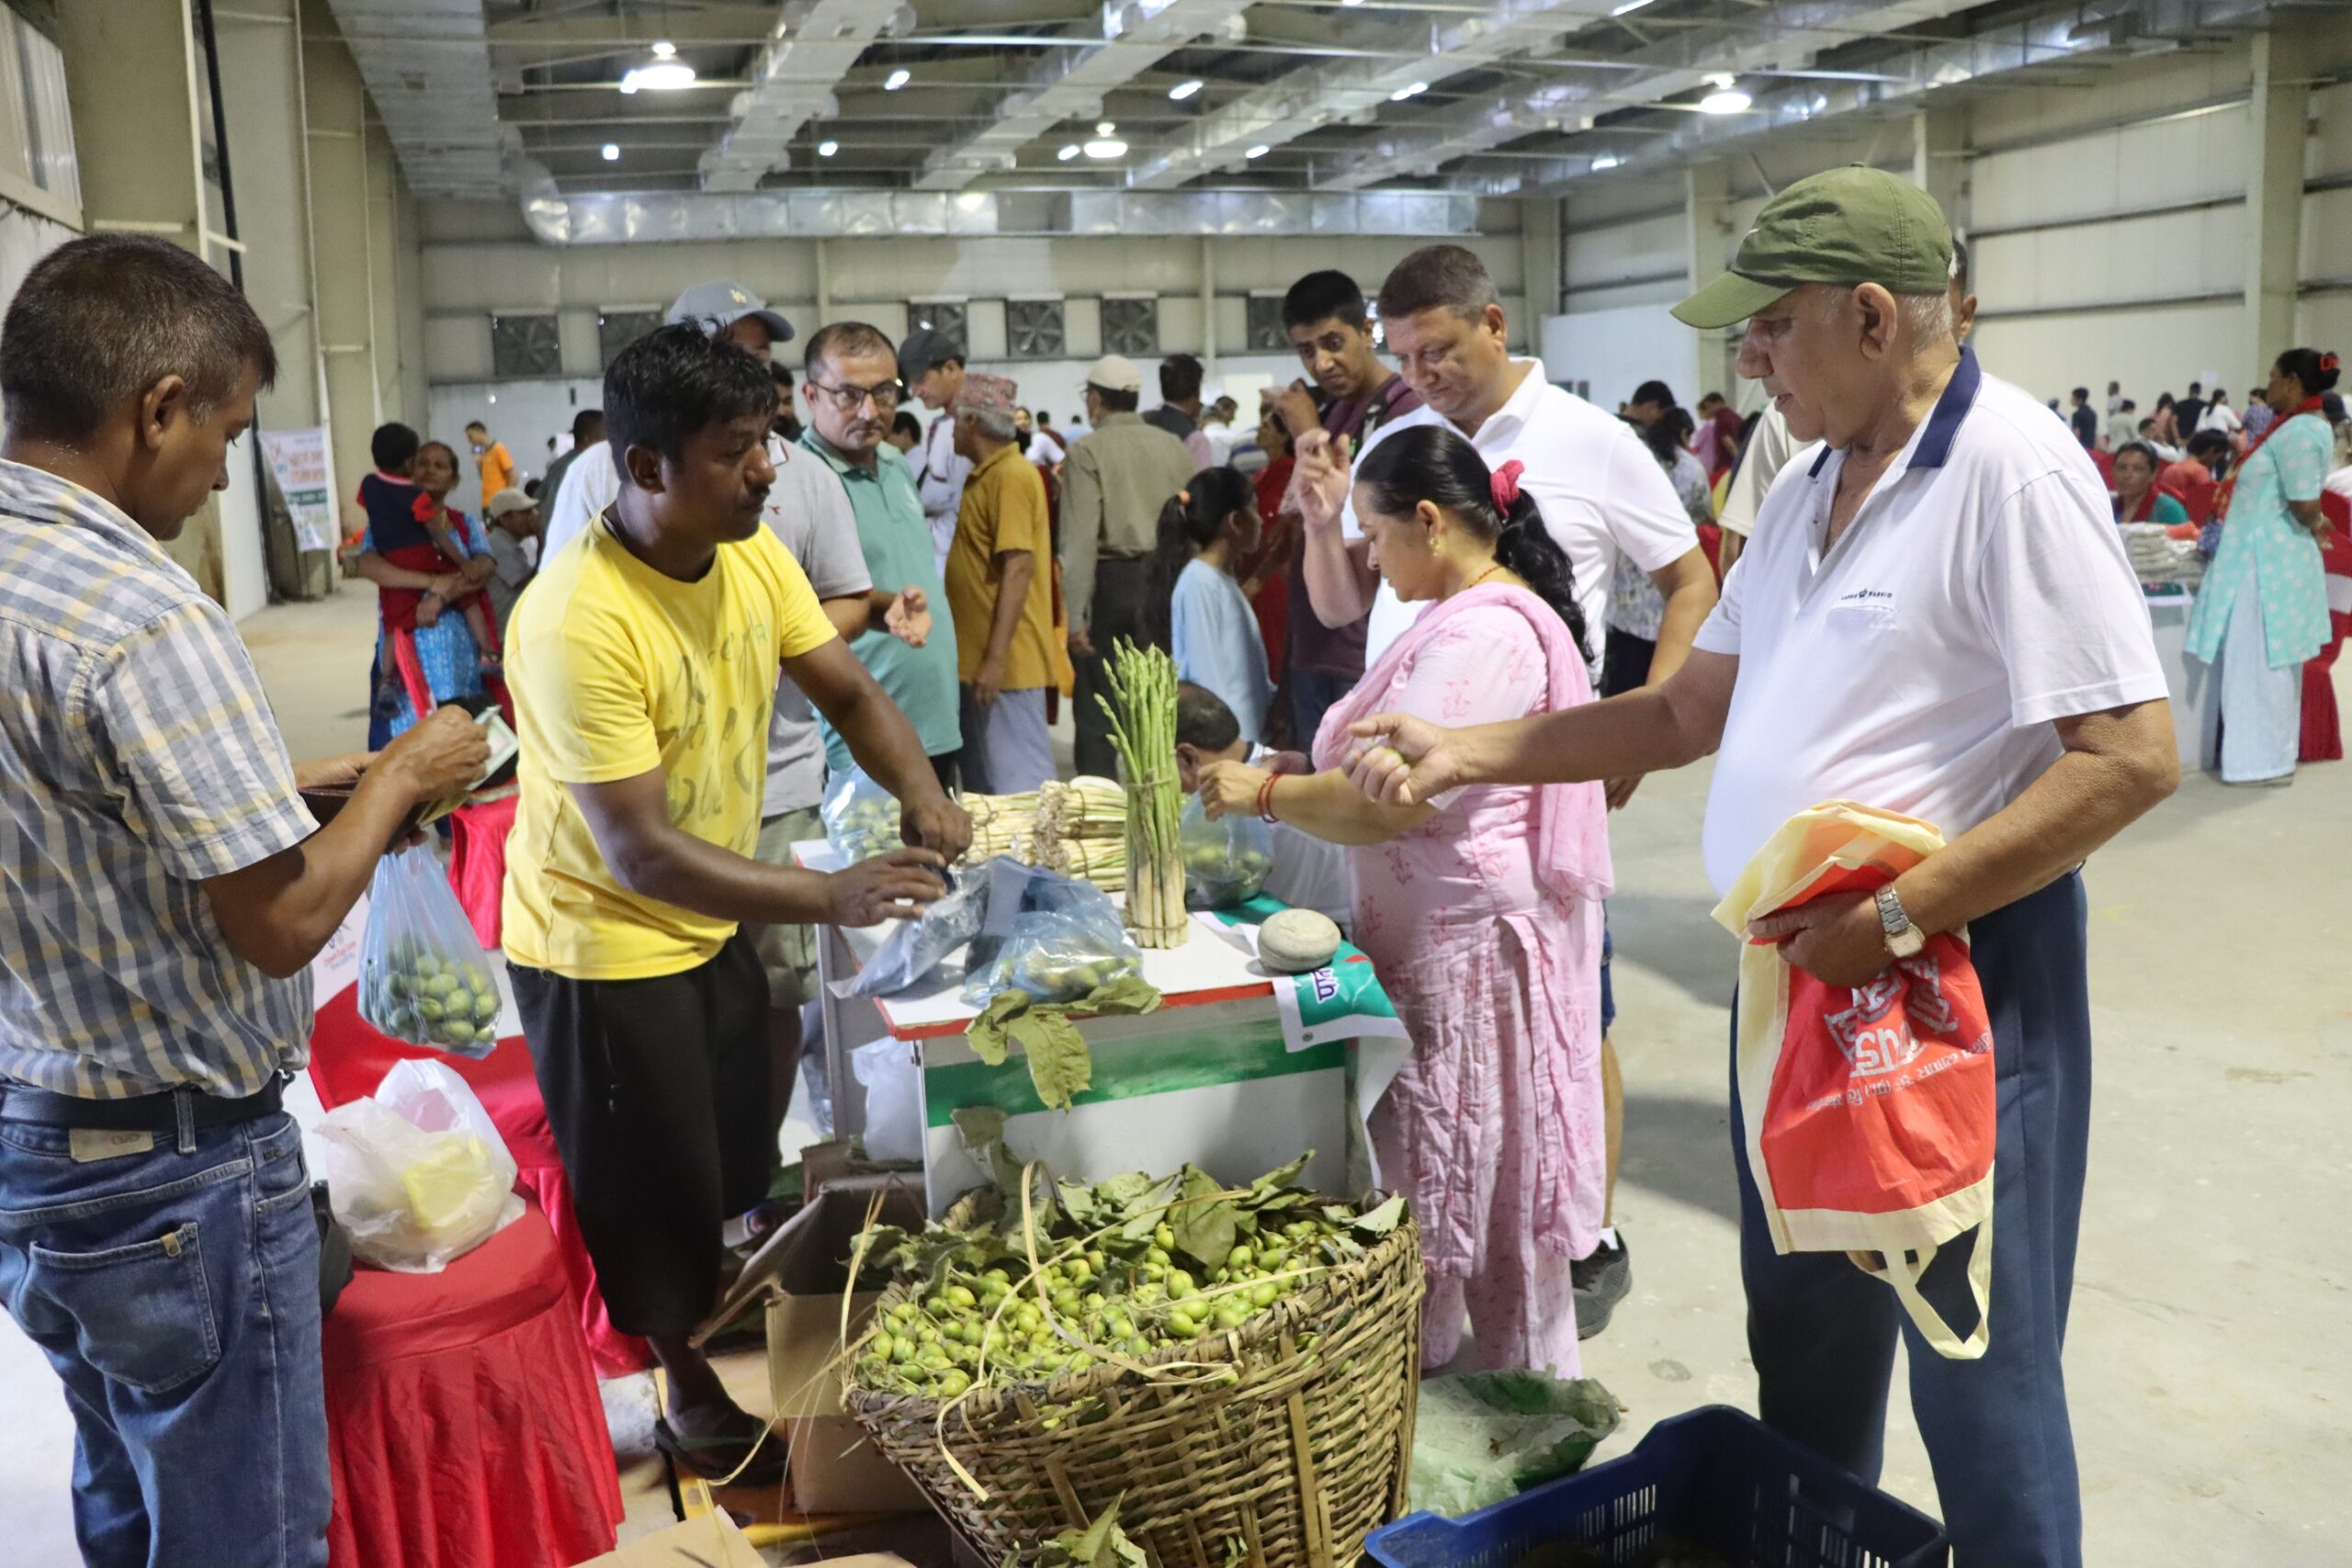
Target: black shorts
x=658, y=1093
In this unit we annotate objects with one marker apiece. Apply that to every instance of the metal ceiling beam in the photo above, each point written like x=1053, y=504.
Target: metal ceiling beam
x=1071, y=84
x=428, y=71
x=1307, y=99
x=816, y=44
x=1789, y=34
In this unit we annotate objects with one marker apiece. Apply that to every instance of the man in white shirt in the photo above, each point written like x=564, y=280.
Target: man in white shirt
x=931, y=365
x=1935, y=617
x=1601, y=492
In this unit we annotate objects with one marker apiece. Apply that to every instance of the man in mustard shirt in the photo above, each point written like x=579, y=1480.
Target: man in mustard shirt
x=643, y=663
x=999, y=590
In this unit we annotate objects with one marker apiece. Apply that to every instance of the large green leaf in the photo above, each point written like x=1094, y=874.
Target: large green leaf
x=1059, y=1062
x=1204, y=1221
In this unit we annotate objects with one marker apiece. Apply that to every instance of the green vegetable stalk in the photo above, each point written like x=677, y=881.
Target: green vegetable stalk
x=1142, y=711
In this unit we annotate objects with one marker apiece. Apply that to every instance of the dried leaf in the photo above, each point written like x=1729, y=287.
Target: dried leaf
x=1101, y=1544
x=1059, y=1064
x=1204, y=1221
x=1127, y=994
x=1383, y=1218
x=985, y=1035
x=980, y=1129
x=1271, y=1186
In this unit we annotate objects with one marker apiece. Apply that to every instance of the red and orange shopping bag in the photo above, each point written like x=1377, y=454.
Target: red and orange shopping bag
x=1870, y=1111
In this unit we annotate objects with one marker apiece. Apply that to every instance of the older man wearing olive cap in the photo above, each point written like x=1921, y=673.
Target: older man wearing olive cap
x=999, y=590
x=1933, y=616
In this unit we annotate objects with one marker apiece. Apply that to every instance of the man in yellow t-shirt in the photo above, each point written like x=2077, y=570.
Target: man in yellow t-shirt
x=999, y=590
x=643, y=663
x=495, y=462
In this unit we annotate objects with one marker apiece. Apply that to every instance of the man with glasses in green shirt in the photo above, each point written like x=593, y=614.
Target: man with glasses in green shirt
x=850, y=383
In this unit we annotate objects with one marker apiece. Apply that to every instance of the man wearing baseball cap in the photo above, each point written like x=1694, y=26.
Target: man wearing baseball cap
x=931, y=365
x=999, y=590
x=1934, y=616
x=1115, y=479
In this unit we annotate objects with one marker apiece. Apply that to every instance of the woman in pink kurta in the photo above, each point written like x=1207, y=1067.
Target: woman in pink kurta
x=1480, y=909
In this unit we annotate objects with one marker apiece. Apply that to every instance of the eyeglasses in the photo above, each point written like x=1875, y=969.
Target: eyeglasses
x=847, y=399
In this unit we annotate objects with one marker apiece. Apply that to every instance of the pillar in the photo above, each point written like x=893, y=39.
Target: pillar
x=1208, y=310
x=350, y=254
x=1539, y=261
x=1708, y=247
x=130, y=73
x=2278, y=115
x=1940, y=160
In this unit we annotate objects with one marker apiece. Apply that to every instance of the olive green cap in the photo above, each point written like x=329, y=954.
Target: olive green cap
x=1845, y=227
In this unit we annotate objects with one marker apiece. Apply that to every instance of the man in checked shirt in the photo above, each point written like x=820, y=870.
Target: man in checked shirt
x=165, y=891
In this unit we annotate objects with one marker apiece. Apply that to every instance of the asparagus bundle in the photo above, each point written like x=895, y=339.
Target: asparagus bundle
x=1102, y=862
x=1003, y=825
x=1086, y=807
x=1142, y=711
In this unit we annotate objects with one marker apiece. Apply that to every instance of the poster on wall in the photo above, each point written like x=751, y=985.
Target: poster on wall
x=298, y=459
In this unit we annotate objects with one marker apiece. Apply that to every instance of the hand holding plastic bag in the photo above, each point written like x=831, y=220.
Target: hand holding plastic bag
x=861, y=816
x=919, y=946
x=1226, y=860
x=417, y=1172
x=423, y=978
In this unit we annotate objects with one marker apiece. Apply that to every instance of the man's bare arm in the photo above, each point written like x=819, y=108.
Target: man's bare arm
x=1689, y=584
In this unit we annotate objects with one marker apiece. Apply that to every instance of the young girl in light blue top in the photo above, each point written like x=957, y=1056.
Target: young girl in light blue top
x=1205, y=531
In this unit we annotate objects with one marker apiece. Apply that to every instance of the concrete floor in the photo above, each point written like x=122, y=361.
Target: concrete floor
x=2211, y=1377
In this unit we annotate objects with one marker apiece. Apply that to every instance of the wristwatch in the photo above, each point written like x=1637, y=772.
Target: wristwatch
x=1903, y=938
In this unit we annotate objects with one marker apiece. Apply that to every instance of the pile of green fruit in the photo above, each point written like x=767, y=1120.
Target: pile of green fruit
x=1126, y=1267
x=425, y=1000
x=1221, y=875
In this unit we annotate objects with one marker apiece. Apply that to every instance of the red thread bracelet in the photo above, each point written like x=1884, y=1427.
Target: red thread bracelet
x=1266, y=797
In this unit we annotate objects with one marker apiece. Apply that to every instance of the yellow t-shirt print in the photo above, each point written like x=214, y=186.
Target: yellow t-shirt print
x=617, y=670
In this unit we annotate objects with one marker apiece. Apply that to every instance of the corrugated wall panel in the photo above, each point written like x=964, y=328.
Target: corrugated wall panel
x=2149, y=351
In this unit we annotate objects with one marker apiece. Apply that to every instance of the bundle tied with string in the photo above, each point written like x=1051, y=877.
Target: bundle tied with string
x=1141, y=706
x=1280, y=1443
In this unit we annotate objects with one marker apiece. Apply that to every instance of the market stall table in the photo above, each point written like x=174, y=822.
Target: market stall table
x=1214, y=1077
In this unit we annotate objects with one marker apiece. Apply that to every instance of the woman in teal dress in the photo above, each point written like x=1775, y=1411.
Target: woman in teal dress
x=2262, y=610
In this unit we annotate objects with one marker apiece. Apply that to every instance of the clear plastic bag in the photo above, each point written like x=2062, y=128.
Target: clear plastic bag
x=1015, y=889
x=1226, y=859
x=893, y=1098
x=920, y=945
x=424, y=978
x=417, y=1172
x=861, y=816
x=1059, y=955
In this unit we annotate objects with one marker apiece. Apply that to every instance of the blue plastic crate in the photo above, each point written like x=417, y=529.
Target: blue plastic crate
x=1714, y=1478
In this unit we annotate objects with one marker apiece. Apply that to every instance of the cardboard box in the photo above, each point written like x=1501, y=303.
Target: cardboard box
x=710, y=1542
x=801, y=1274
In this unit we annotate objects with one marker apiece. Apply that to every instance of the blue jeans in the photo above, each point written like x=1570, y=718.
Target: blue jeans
x=1312, y=693
x=175, y=1289
x=1822, y=1333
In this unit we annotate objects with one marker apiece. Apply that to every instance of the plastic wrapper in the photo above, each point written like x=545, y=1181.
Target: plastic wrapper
x=919, y=946
x=1016, y=889
x=417, y=1172
x=1484, y=1437
x=1059, y=955
x=424, y=978
x=893, y=1098
x=861, y=816
x=1226, y=859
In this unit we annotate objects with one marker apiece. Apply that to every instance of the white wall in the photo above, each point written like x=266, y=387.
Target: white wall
x=244, y=578
x=1615, y=351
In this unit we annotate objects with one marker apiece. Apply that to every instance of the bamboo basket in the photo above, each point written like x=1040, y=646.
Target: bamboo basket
x=1290, y=1467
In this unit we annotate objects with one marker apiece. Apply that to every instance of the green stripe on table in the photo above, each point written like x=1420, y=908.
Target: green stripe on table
x=1130, y=1071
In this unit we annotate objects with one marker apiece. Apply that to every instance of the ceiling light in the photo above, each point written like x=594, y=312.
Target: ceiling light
x=1726, y=100
x=1351, y=1
x=1604, y=161
x=828, y=146
x=1627, y=7
x=1067, y=153
x=896, y=79
x=612, y=153
x=1106, y=147
x=1724, y=80
x=1413, y=91
x=664, y=50
x=1105, y=128
x=664, y=75
x=1184, y=89
x=1259, y=151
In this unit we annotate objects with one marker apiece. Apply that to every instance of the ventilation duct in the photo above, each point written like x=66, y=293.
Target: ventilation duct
x=617, y=219
x=1138, y=35
x=792, y=78
x=1306, y=99
x=426, y=64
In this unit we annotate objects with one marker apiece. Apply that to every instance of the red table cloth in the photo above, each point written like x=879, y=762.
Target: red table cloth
x=463, y=1424
x=349, y=1057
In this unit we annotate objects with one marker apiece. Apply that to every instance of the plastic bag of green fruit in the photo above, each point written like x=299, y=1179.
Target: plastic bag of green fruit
x=1226, y=860
x=424, y=978
x=861, y=816
x=1059, y=955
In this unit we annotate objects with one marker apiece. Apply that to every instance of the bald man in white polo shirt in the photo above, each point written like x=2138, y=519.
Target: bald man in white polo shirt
x=1935, y=617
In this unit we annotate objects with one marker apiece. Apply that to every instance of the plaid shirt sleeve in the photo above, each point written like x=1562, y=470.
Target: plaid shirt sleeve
x=185, y=735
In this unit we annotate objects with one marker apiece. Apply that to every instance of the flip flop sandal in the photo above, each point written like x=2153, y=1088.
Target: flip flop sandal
x=717, y=1459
